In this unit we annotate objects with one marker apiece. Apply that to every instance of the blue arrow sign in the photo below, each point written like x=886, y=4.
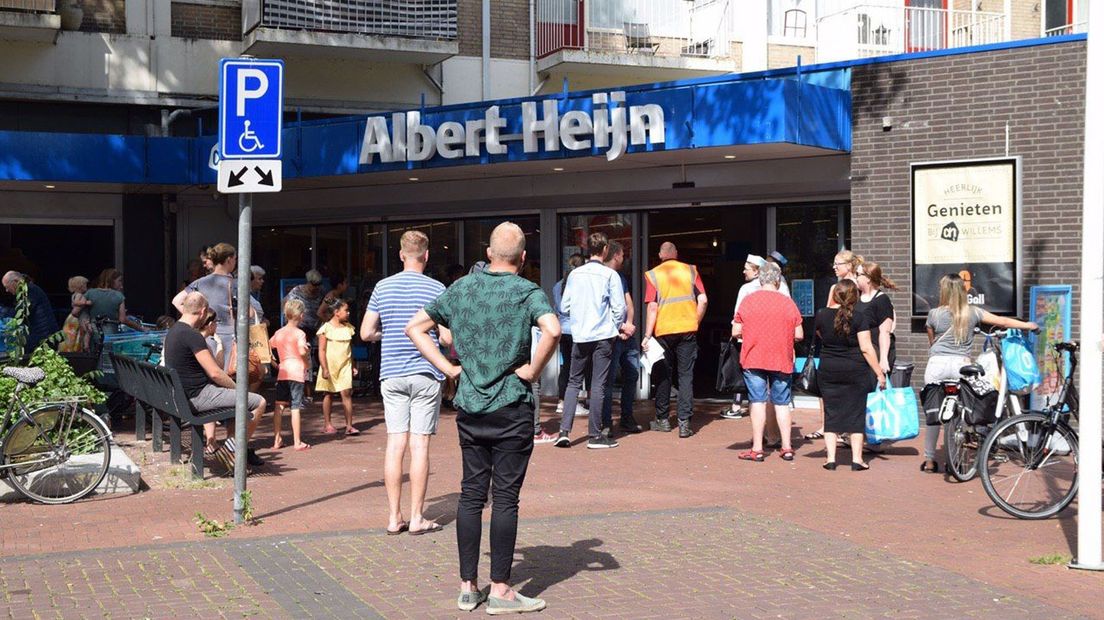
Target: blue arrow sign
x=251, y=108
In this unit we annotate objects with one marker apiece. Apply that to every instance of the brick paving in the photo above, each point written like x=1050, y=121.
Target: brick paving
x=777, y=538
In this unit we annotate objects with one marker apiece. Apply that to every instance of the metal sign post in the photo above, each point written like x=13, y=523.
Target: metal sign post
x=251, y=111
x=1092, y=305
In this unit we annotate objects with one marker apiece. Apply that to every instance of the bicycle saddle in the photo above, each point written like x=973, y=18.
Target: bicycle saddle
x=1068, y=346
x=26, y=376
x=971, y=370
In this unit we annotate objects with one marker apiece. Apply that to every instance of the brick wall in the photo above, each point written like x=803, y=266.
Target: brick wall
x=781, y=56
x=195, y=21
x=1027, y=17
x=469, y=27
x=956, y=107
x=510, y=29
x=103, y=16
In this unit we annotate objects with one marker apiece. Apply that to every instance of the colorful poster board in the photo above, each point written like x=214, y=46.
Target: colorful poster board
x=1050, y=309
x=802, y=293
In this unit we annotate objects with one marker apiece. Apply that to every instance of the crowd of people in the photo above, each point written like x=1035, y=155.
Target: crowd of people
x=482, y=342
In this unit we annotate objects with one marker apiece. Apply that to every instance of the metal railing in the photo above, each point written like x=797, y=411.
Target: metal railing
x=877, y=30
x=418, y=19
x=1075, y=28
x=29, y=6
x=670, y=28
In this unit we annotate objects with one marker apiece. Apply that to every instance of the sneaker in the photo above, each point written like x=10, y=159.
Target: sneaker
x=468, y=601
x=684, y=429
x=523, y=604
x=581, y=409
x=543, y=437
x=559, y=407
x=601, y=442
x=563, y=441
x=734, y=414
x=253, y=458
x=628, y=425
x=660, y=426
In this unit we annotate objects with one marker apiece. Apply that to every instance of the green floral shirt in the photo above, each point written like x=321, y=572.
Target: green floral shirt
x=491, y=315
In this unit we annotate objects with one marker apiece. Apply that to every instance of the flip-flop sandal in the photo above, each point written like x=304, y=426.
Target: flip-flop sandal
x=403, y=526
x=305, y=446
x=351, y=431
x=436, y=527
x=813, y=436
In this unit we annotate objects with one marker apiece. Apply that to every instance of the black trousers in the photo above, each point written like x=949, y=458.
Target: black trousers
x=595, y=356
x=495, y=448
x=680, y=353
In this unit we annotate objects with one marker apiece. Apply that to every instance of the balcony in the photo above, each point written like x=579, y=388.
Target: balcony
x=634, y=40
x=36, y=21
x=405, y=31
x=877, y=30
x=1075, y=28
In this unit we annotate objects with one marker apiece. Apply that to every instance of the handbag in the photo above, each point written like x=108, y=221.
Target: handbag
x=891, y=414
x=808, y=379
x=730, y=376
x=255, y=370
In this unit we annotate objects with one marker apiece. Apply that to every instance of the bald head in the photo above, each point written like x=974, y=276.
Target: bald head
x=667, y=251
x=507, y=244
x=12, y=280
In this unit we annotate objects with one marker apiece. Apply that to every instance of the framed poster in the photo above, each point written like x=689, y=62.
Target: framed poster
x=965, y=221
x=802, y=293
x=1050, y=308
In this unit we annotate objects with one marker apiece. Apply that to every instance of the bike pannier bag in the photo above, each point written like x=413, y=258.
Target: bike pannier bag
x=978, y=401
x=931, y=399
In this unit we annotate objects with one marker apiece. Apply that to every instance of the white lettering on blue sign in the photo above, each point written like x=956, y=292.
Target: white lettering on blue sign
x=610, y=126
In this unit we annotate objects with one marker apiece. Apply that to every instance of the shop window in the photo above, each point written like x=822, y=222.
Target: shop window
x=809, y=237
x=574, y=230
x=444, y=246
x=285, y=255
x=477, y=234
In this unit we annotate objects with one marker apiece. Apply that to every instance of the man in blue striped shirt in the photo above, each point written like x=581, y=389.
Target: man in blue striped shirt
x=410, y=385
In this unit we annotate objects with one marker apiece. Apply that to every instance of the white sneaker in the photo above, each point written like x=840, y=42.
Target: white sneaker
x=559, y=407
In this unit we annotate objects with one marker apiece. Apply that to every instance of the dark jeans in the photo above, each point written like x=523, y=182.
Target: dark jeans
x=597, y=355
x=680, y=353
x=565, y=367
x=495, y=448
x=626, y=355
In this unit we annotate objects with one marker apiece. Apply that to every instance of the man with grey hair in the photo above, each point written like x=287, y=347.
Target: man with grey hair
x=40, y=322
x=769, y=323
x=491, y=315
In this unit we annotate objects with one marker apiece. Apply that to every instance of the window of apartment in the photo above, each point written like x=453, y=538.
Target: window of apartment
x=792, y=19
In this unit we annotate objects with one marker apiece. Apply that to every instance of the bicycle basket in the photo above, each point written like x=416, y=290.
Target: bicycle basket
x=978, y=401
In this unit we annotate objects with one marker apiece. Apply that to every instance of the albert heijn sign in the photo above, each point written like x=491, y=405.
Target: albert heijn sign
x=251, y=113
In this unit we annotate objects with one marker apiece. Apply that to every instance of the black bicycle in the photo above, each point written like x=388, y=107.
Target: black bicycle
x=1028, y=463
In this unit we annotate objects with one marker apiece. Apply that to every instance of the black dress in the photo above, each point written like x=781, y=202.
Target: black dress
x=844, y=377
x=878, y=309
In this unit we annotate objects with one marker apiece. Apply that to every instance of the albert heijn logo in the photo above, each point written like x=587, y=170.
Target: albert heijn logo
x=251, y=108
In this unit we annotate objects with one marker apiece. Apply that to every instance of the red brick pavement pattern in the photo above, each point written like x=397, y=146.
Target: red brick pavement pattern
x=337, y=486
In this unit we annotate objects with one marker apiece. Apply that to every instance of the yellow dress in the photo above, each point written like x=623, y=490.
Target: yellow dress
x=339, y=357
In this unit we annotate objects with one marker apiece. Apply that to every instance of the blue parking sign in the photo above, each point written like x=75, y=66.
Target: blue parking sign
x=251, y=108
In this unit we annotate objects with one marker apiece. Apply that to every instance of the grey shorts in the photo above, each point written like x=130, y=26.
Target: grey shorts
x=214, y=397
x=411, y=404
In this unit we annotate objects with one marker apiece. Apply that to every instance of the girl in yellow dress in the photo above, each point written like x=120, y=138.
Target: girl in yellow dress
x=335, y=358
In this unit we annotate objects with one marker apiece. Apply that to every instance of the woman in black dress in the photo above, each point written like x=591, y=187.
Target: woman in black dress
x=848, y=371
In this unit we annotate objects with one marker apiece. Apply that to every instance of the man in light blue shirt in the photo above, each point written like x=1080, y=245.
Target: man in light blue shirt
x=594, y=300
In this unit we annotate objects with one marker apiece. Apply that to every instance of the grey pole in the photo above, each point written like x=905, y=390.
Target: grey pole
x=241, y=407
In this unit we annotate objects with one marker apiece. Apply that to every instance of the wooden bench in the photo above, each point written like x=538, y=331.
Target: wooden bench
x=159, y=389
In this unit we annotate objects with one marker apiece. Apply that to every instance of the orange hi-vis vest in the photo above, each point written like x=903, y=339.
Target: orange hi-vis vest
x=678, y=307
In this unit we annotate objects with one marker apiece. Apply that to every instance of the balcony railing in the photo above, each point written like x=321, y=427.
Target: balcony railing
x=1076, y=28
x=663, y=28
x=417, y=19
x=874, y=30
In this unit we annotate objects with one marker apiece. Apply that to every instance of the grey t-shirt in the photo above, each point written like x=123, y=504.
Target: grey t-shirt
x=219, y=290
x=941, y=322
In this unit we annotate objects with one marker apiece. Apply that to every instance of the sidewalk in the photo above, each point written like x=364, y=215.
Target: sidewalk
x=692, y=530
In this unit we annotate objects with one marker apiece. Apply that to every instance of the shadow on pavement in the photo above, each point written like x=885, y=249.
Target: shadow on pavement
x=442, y=509
x=326, y=498
x=544, y=566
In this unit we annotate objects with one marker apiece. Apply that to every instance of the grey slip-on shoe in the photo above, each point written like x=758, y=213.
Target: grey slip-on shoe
x=467, y=601
x=523, y=604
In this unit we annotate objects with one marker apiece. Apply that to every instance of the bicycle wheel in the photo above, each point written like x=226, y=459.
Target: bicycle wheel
x=961, y=443
x=1030, y=466
x=59, y=455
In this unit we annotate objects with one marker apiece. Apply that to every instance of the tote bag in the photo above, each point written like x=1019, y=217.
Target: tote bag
x=891, y=414
x=730, y=376
x=1020, y=367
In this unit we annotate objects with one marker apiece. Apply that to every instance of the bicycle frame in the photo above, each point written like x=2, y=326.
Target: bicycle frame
x=71, y=406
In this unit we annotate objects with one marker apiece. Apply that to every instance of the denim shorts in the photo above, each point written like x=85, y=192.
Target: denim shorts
x=290, y=392
x=779, y=385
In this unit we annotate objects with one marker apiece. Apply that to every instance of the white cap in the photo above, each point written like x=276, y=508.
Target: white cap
x=758, y=261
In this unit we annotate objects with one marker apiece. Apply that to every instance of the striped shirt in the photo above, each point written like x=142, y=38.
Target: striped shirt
x=397, y=299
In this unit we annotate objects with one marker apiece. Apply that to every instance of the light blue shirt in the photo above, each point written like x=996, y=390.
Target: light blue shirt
x=594, y=301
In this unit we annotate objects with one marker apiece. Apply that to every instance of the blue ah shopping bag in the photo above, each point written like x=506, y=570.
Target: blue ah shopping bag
x=1019, y=363
x=892, y=414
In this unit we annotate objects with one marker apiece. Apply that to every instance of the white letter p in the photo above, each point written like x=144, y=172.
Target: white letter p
x=247, y=93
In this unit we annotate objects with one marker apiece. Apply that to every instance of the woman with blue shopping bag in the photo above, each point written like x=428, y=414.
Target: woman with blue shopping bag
x=848, y=371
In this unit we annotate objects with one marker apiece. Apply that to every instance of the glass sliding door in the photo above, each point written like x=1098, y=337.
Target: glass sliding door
x=444, y=246
x=477, y=234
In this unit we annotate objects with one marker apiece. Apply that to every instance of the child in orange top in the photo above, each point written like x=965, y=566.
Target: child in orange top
x=290, y=344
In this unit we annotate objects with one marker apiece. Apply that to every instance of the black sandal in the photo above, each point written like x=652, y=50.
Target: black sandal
x=813, y=436
x=933, y=468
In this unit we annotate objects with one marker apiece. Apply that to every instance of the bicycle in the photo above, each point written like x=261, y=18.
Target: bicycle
x=963, y=437
x=1029, y=464
x=55, y=453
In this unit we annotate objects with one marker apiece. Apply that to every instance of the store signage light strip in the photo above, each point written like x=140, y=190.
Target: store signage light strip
x=607, y=127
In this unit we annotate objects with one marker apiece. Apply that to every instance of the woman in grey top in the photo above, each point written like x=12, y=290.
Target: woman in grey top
x=951, y=340
x=220, y=287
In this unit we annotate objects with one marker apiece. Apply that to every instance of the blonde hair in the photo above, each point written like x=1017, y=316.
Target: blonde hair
x=77, y=283
x=952, y=295
x=847, y=256
x=294, y=309
x=413, y=244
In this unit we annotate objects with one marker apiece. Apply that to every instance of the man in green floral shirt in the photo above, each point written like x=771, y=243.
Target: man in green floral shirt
x=491, y=315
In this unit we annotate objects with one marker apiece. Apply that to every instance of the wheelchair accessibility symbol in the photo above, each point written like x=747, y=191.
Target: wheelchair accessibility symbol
x=248, y=137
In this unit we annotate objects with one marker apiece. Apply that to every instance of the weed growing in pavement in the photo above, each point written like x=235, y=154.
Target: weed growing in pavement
x=247, y=508
x=1051, y=559
x=180, y=477
x=213, y=528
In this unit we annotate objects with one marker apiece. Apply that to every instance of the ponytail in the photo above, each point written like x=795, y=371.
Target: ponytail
x=846, y=295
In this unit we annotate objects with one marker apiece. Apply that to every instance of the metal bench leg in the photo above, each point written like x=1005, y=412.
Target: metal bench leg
x=174, y=440
x=139, y=421
x=197, y=451
x=158, y=429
